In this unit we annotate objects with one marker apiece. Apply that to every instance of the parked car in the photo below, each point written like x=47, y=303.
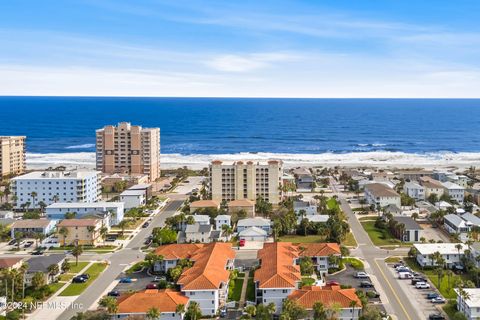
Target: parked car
x=85, y=275
x=159, y=278
x=372, y=294
x=399, y=264
x=405, y=275
x=436, y=316
x=432, y=295
x=152, y=286
x=332, y=283
x=113, y=293
x=241, y=243
x=403, y=269
x=146, y=224
x=28, y=244
x=223, y=313
x=438, y=300
x=416, y=280
x=37, y=253
x=12, y=242
x=422, y=285
x=360, y=275
x=126, y=280
x=79, y=280
x=366, y=284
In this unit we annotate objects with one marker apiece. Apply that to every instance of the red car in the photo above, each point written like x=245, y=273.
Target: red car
x=152, y=286
x=332, y=283
x=241, y=243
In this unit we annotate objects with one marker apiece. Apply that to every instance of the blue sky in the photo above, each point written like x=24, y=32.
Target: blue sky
x=349, y=48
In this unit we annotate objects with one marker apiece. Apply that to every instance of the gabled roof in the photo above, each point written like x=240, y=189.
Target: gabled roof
x=205, y=204
x=329, y=296
x=209, y=267
x=176, y=251
x=318, y=249
x=41, y=263
x=78, y=223
x=428, y=182
x=278, y=268
x=455, y=220
x=9, y=262
x=31, y=223
x=252, y=231
x=165, y=300
x=253, y=222
x=381, y=190
x=409, y=223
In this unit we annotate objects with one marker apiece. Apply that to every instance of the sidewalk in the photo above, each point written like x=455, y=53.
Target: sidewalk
x=241, y=302
x=55, y=305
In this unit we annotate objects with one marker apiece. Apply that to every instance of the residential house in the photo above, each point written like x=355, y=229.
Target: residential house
x=475, y=253
x=451, y=253
x=206, y=282
x=473, y=220
x=309, y=208
x=133, y=198
x=57, y=211
x=454, y=224
x=414, y=190
x=318, y=218
x=278, y=275
x=454, y=191
x=42, y=264
x=201, y=219
x=253, y=234
x=431, y=186
x=242, y=204
x=303, y=179
x=204, y=204
x=80, y=232
x=32, y=226
x=11, y=263
x=470, y=305
x=475, y=195
x=412, y=231
x=346, y=300
x=258, y=222
x=172, y=253
x=138, y=303
x=443, y=205
x=415, y=175
x=222, y=220
x=380, y=195
x=198, y=233
x=320, y=254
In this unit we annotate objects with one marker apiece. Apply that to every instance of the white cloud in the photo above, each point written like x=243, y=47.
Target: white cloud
x=246, y=63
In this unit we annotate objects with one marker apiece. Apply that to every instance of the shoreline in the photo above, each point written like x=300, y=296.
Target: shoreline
x=380, y=159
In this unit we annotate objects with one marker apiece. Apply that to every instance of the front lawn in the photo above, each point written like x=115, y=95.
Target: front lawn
x=354, y=262
x=237, y=290
x=307, y=281
x=301, y=239
x=54, y=287
x=380, y=237
x=76, y=289
x=77, y=268
x=332, y=203
x=250, y=288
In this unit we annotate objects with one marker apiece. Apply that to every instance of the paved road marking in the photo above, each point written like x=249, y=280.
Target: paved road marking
x=393, y=291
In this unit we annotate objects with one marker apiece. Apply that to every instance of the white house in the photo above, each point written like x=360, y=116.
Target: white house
x=133, y=198
x=258, y=222
x=319, y=253
x=221, y=220
x=470, y=307
x=201, y=219
x=379, y=194
x=57, y=211
x=56, y=186
x=454, y=191
x=253, y=234
x=414, y=190
x=443, y=205
x=451, y=253
x=454, y=224
x=33, y=226
x=207, y=281
x=198, y=233
x=309, y=208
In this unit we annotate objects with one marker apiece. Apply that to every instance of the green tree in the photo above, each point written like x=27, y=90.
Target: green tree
x=65, y=265
x=163, y=236
x=109, y=303
x=306, y=266
x=77, y=252
x=319, y=312
x=63, y=231
x=292, y=310
x=153, y=313
x=70, y=215
x=251, y=310
x=193, y=311
x=33, y=194
x=38, y=280
x=124, y=224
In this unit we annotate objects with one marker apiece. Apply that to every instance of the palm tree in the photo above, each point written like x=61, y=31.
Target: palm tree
x=109, y=303
x=18, y=236
x=63, y=232
x=42, y=206
x=251, y=310
x=123, y=224
x=76, y=252
x=33, y=194
x=103, y=233
x=415, y=216
x=180, y=309
x=153, y=313
x=459, y=247
x=449, y=274
x=319, y=312
x=194, y=311
x=353, y=305
x=227, y=230
x=53, y=270
x=55, y=198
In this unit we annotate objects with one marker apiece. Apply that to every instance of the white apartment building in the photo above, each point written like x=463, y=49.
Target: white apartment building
x=246, y=180
x=57, y=211
x=454, y=191
x=470, y=307
x=133, y=198
x=12, y=155
x=206, y=282
x=449, y=251
x=128, y=149
x=379, y=194
x=56, y=186
x=414, y=190
x=278, y=275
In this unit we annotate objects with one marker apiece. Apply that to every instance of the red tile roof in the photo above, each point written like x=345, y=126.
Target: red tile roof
x=319, y=249
x=329, y=295
x=78, y=223
x=209, y=267
x=9, y=262
x=205, y=204
x=178, y=251
x=278, y=269
x=165, y=300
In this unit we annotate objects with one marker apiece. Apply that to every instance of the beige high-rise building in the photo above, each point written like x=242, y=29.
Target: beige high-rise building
x=246, y=180
x=129, y=149
x=12, y=155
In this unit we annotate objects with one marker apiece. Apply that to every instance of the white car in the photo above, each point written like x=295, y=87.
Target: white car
x=361, y=275
x=422, y=285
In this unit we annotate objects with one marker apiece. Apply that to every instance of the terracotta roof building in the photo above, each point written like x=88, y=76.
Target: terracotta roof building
x=278, y=275
x=173, y=253
x=319, y=253
x=202, y=204
x=206, y=282
x=242, y=204
x=166, y=301
x=350, y=305
x=10, y=263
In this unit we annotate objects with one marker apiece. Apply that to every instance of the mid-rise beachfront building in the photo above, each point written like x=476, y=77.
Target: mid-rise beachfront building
x=128, y=149
x=246, y=180
x=56, y=186
x=12, y=155
x=379, y=194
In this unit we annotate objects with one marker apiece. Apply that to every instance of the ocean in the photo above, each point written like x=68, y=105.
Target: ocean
x=199, y=129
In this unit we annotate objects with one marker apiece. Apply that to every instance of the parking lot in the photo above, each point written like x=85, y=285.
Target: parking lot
x=139, y=282
x=425, y=306
x=433, y=233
